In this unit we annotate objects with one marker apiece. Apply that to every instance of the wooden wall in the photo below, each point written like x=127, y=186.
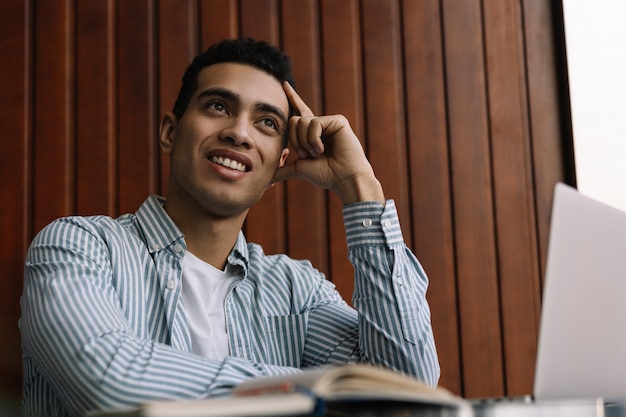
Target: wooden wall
x=460, y=106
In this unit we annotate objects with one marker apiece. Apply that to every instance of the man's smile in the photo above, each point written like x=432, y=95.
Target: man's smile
x=229, y=163
x=235, y=161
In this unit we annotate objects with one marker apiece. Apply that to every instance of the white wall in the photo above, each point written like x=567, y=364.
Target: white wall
x=595, y=33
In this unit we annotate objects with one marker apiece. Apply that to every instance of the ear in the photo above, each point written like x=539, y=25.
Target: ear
x=283, y=157
x=167, y=132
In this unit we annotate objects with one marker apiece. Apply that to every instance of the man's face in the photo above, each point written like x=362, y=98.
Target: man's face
x=227, y=145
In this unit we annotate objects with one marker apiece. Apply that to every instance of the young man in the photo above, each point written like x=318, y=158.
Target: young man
x=172, y=302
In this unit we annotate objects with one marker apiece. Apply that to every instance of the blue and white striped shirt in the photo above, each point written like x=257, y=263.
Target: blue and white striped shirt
x=103, y=324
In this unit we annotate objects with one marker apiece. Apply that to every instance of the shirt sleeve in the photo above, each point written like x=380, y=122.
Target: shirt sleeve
x=79, y=350
x=390, y=293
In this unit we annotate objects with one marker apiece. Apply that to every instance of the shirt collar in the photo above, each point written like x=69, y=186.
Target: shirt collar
x=239, y=255
x=159, y=229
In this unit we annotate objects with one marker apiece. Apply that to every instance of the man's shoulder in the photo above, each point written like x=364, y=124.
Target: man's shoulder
x=99, y=226
x=257, y=253
x=280, y=265
x=292, y=280
x=103, y=223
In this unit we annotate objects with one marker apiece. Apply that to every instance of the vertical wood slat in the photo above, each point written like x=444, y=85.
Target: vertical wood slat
x=177, y=42
x=136, y=106
x=15, y=84
x=513, y=187
x=430, y=178
x=218, y=20
x=342, y=94
x=306, y=204
x=266, y=29
x=52, y=130
x=547, y=135
x=384, y=101
x=96, y=185
x=265, y=223
x=473, y=200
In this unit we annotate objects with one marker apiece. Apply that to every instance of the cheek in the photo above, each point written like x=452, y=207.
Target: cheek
x=273, y=160
x=271, y=149
x=188, y=140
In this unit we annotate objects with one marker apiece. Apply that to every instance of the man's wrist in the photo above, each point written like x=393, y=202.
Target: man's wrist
x=360, y=188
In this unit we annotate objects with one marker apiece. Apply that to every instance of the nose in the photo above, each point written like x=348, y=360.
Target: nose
x=236, y=132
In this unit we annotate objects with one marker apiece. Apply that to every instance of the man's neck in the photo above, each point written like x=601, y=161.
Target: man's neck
x=207, y=237
x=211, y=244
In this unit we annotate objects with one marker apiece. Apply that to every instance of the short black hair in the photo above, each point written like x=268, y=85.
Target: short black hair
x=258, y=54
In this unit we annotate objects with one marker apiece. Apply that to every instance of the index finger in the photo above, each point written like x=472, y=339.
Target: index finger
x=296, y=101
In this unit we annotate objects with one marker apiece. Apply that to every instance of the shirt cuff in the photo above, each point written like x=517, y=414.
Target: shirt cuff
x=370, y=223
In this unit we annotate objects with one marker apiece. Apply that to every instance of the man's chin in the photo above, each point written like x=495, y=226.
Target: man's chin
x=224, y=207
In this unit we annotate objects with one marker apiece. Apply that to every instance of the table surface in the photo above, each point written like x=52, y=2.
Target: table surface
x=489, y=408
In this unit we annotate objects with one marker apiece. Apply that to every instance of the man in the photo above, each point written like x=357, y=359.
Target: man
x=172, y=302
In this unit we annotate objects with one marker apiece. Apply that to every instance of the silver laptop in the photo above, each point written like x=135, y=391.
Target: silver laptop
x=582, y=337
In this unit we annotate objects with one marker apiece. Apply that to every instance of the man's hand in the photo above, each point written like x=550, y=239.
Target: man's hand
x=329, y=155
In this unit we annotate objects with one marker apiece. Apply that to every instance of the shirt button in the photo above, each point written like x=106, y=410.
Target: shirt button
x=399, y=281
x=178, y=248
x=155, y=246
x=387, y=223
x=367, y=222
x=171, y=284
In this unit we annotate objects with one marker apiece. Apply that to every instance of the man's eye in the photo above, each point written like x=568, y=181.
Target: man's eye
x=217, y=106
x=271, y=123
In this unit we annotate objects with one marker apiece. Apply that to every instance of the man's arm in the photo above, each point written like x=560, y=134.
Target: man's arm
x=390, y=293
x=78, y=344
x=390, y=284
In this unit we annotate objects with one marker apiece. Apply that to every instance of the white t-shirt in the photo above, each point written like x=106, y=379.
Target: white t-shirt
x=204, y=291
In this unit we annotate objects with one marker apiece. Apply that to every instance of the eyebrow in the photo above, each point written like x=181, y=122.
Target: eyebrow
x=229, y=95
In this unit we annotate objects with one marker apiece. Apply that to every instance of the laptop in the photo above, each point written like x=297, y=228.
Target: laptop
x=582, y=336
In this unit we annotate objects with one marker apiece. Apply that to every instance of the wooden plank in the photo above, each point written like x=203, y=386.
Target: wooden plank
x=96, y=185
x=136, y=106
x=430, y=178
x=266, y=220
x=178, y=44
x=384, y=102
x=53, y=139
x=14, y=165
x=514, y=192
x=472, y=200
x=342, y=94
x=550, y=141
x=218, y=20
x=306, y=204
x=260, y=19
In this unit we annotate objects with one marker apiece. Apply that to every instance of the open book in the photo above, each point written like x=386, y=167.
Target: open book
x=311, y=392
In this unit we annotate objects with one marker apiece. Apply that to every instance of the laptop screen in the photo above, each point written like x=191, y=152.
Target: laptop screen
x=582, y=337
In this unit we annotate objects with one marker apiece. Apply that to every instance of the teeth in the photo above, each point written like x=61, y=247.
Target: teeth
x=229, y=163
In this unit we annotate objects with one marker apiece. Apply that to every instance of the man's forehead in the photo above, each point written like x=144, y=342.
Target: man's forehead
x=245, y=81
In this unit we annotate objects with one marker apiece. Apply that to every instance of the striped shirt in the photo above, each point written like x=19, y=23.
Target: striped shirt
x=103, y=324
